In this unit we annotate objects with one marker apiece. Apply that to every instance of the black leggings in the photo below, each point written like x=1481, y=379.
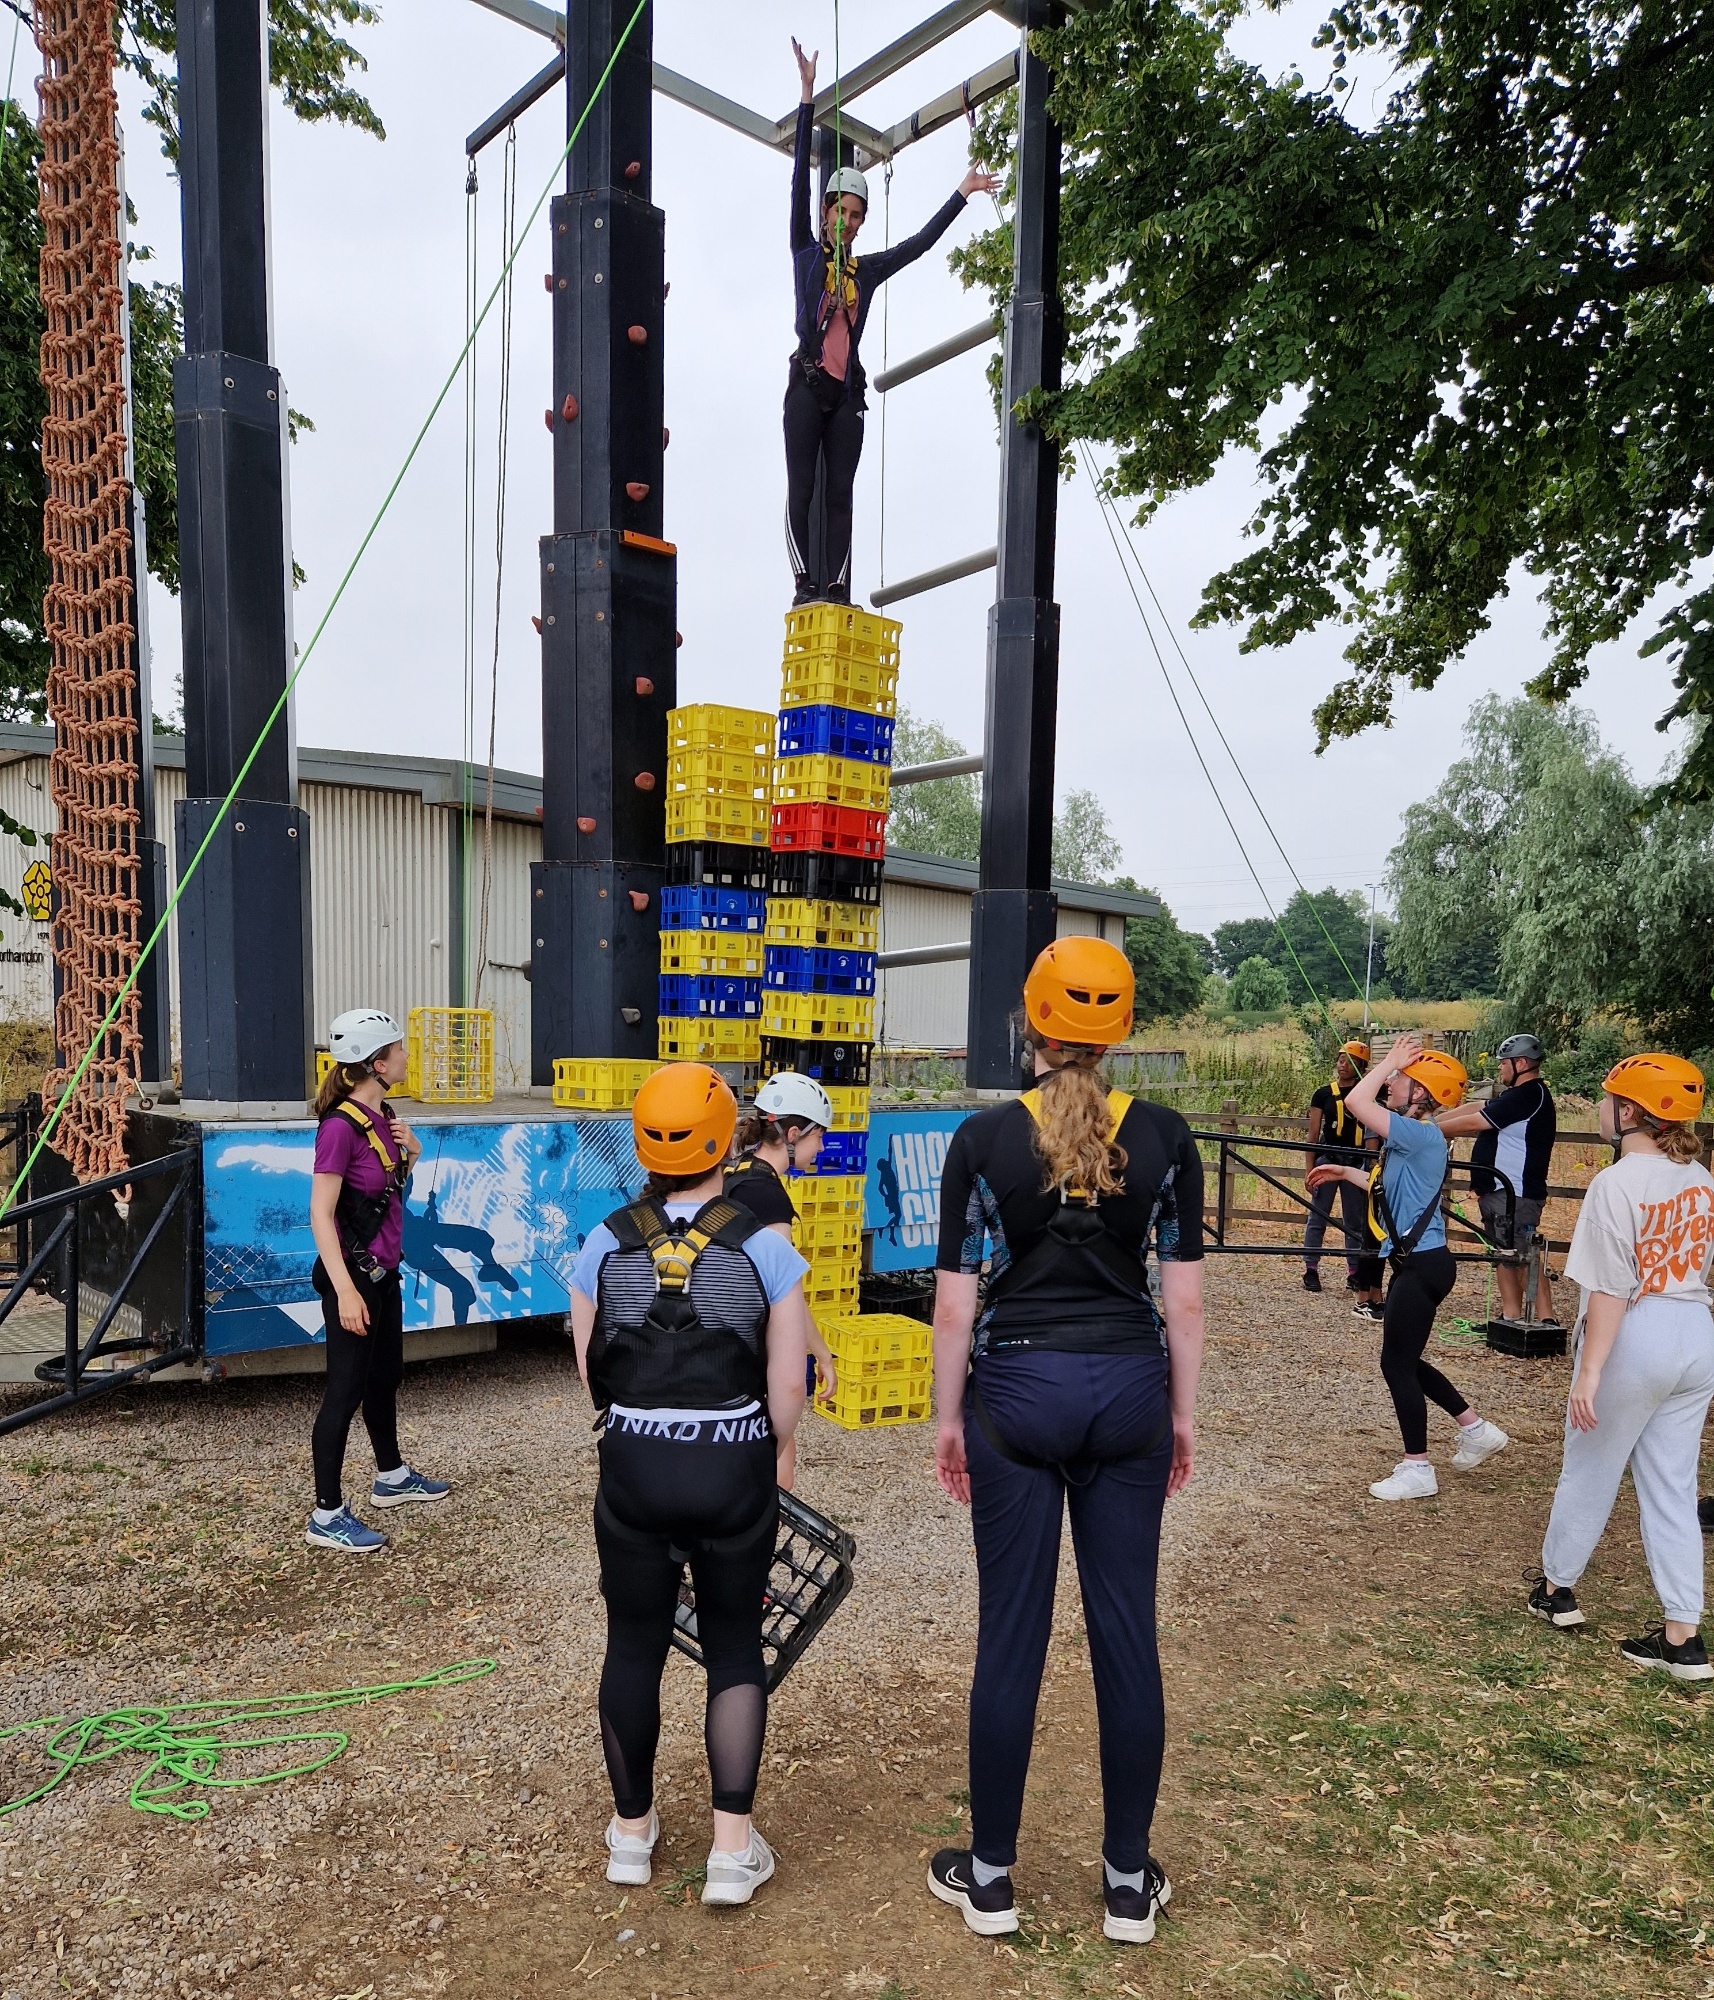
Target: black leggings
x=835, y=437
x=661, y=1501
x=1413, y=1298
x=364, y=1371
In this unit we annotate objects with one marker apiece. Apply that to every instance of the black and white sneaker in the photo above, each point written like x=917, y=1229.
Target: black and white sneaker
x=1687, y=1661
x=1312, y=1281
x=1131, y=1913
x=1366, y=1309
x=990, y=1912
x=1557, y=1607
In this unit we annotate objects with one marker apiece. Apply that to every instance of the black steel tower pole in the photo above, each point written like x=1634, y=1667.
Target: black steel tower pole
x=609, y=582
x=1015, y=913
x=244, y=960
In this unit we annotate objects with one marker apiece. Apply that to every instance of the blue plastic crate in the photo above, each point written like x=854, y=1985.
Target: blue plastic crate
x=843, y=1153
x=702, y=908
x=825, y=731
x=804, y=968
x=686, y=995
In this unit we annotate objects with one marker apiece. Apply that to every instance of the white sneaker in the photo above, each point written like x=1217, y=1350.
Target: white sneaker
x=1410, y=1479
x=1478, y=1441
x=630, y=1856
x=735, y=1878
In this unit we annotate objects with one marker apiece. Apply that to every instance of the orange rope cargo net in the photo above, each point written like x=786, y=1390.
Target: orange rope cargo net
x=90, y=609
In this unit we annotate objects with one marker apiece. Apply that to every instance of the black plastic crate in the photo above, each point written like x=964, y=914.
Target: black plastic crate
x=831, y=878
x=1536, y=1341
x=717, y=864
x=809, y=1580
x=907, y=1293
x=827, y=1062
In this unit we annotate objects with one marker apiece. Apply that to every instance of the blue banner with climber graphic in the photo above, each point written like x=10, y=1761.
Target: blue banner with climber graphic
x=495, y=1215
x=907, y=1150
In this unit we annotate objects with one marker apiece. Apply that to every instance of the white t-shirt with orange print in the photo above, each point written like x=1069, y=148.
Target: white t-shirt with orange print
x=1645, y=1231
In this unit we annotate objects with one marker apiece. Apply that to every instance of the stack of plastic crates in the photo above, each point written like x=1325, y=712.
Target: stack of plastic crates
x=714, y=910
x=839, y=698
x=885, y=1367
x=449, y=1055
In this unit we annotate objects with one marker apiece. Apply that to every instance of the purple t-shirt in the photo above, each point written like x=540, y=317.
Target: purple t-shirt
x=342, y=1149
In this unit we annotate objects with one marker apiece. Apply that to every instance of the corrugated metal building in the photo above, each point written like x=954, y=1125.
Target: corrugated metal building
x=397, y=893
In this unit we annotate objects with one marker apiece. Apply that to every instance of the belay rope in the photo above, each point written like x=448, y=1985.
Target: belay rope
x=184, y=1741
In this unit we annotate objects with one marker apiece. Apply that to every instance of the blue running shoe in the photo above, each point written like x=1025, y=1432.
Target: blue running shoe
x=414, y=1486
x=344, y=1532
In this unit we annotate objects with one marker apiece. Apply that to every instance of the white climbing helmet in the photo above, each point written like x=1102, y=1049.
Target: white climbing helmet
x=846, y=181
x=790, y=1096
x=361, y=1032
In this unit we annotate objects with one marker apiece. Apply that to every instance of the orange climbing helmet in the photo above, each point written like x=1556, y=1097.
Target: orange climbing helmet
x=1358, y=1052
x=683, y=1120
x=1441, y=1075
x=1080, y=990
x=1663, y=1087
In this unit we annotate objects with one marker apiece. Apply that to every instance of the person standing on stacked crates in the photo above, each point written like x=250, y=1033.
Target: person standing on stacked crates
x=1060, y=1379
x=688, y=1319
x=825, y=397
x=781, y=1135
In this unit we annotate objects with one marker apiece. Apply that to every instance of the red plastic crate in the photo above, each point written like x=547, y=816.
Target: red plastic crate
x=825, y=829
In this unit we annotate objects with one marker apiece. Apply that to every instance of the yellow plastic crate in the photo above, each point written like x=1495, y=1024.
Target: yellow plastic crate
x=706, y=725
x=708, y=816
x=710, y=1038
x=836, y=781
x=826, y=926
x=449, y=1053
x=807, y=678
x=598, y=1083
x=868, y=1345
x=827, y=1194
x=832, y=1288
x=323, y=1067
x=888, y=1399
x=839, y=1017
x=845, y=631
x=716, y=954
x=823, y=1236
x=850, y=1103
x=730, y=774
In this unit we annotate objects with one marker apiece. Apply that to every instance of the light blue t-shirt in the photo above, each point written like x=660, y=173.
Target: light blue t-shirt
x=1412, y=1170
x=777, y=1264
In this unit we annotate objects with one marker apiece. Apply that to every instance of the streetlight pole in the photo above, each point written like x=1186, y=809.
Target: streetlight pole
x=1369, y=966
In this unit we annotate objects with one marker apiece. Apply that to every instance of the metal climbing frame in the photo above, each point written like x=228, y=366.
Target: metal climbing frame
x=99, y=712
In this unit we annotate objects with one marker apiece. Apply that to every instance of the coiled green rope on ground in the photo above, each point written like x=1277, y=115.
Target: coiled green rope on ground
x=184, y=1741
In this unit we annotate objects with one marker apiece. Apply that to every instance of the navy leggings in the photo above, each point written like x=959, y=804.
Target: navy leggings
x=1103, y=1422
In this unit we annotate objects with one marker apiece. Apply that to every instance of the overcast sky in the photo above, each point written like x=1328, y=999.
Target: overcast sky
x=369, y=317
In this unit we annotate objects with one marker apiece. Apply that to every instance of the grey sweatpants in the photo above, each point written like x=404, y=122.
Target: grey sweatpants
x=1650, y=1408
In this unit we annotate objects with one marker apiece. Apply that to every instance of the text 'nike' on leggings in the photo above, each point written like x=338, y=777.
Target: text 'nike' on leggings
x=836, y=438
x=661, y=1500
x=1420, y=1285
x=364, y=1371
x=1101, y=1424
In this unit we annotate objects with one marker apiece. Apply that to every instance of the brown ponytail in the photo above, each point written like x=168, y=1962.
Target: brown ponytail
x=1680, y=1143
x=1072, y=1134
x=337, y=1086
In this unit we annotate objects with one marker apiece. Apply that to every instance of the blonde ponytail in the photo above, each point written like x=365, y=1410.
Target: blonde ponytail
x=1073, y=1133
x=1680, y=1143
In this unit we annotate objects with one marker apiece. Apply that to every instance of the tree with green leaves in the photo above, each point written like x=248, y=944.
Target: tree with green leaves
x=1259, y=988
x=1166, y=960
x=1469, y=336
x=1323, y=952
x=312, y=68
x=1540, y=852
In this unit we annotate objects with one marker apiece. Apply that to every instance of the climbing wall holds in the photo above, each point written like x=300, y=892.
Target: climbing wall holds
x=644, y=685
x=639, y=900
x=585, y=825
x=638, y=336
x=568, y=409
x=638, y=489
x=632, y=169
x=547, y=418
x=644, y=781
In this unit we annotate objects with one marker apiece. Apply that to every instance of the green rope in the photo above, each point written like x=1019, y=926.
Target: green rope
x=184, y=1741
x=304, y=658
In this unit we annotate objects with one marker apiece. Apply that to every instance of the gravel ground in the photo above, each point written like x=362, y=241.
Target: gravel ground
x=155, y=1554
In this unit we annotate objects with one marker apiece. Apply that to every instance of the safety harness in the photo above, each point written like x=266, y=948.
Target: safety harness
x=672, y=1358
x=360, y=1218
x=1382, y=1224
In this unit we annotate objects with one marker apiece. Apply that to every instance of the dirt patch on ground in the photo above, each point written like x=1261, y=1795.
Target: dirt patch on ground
x=1381, y=1779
